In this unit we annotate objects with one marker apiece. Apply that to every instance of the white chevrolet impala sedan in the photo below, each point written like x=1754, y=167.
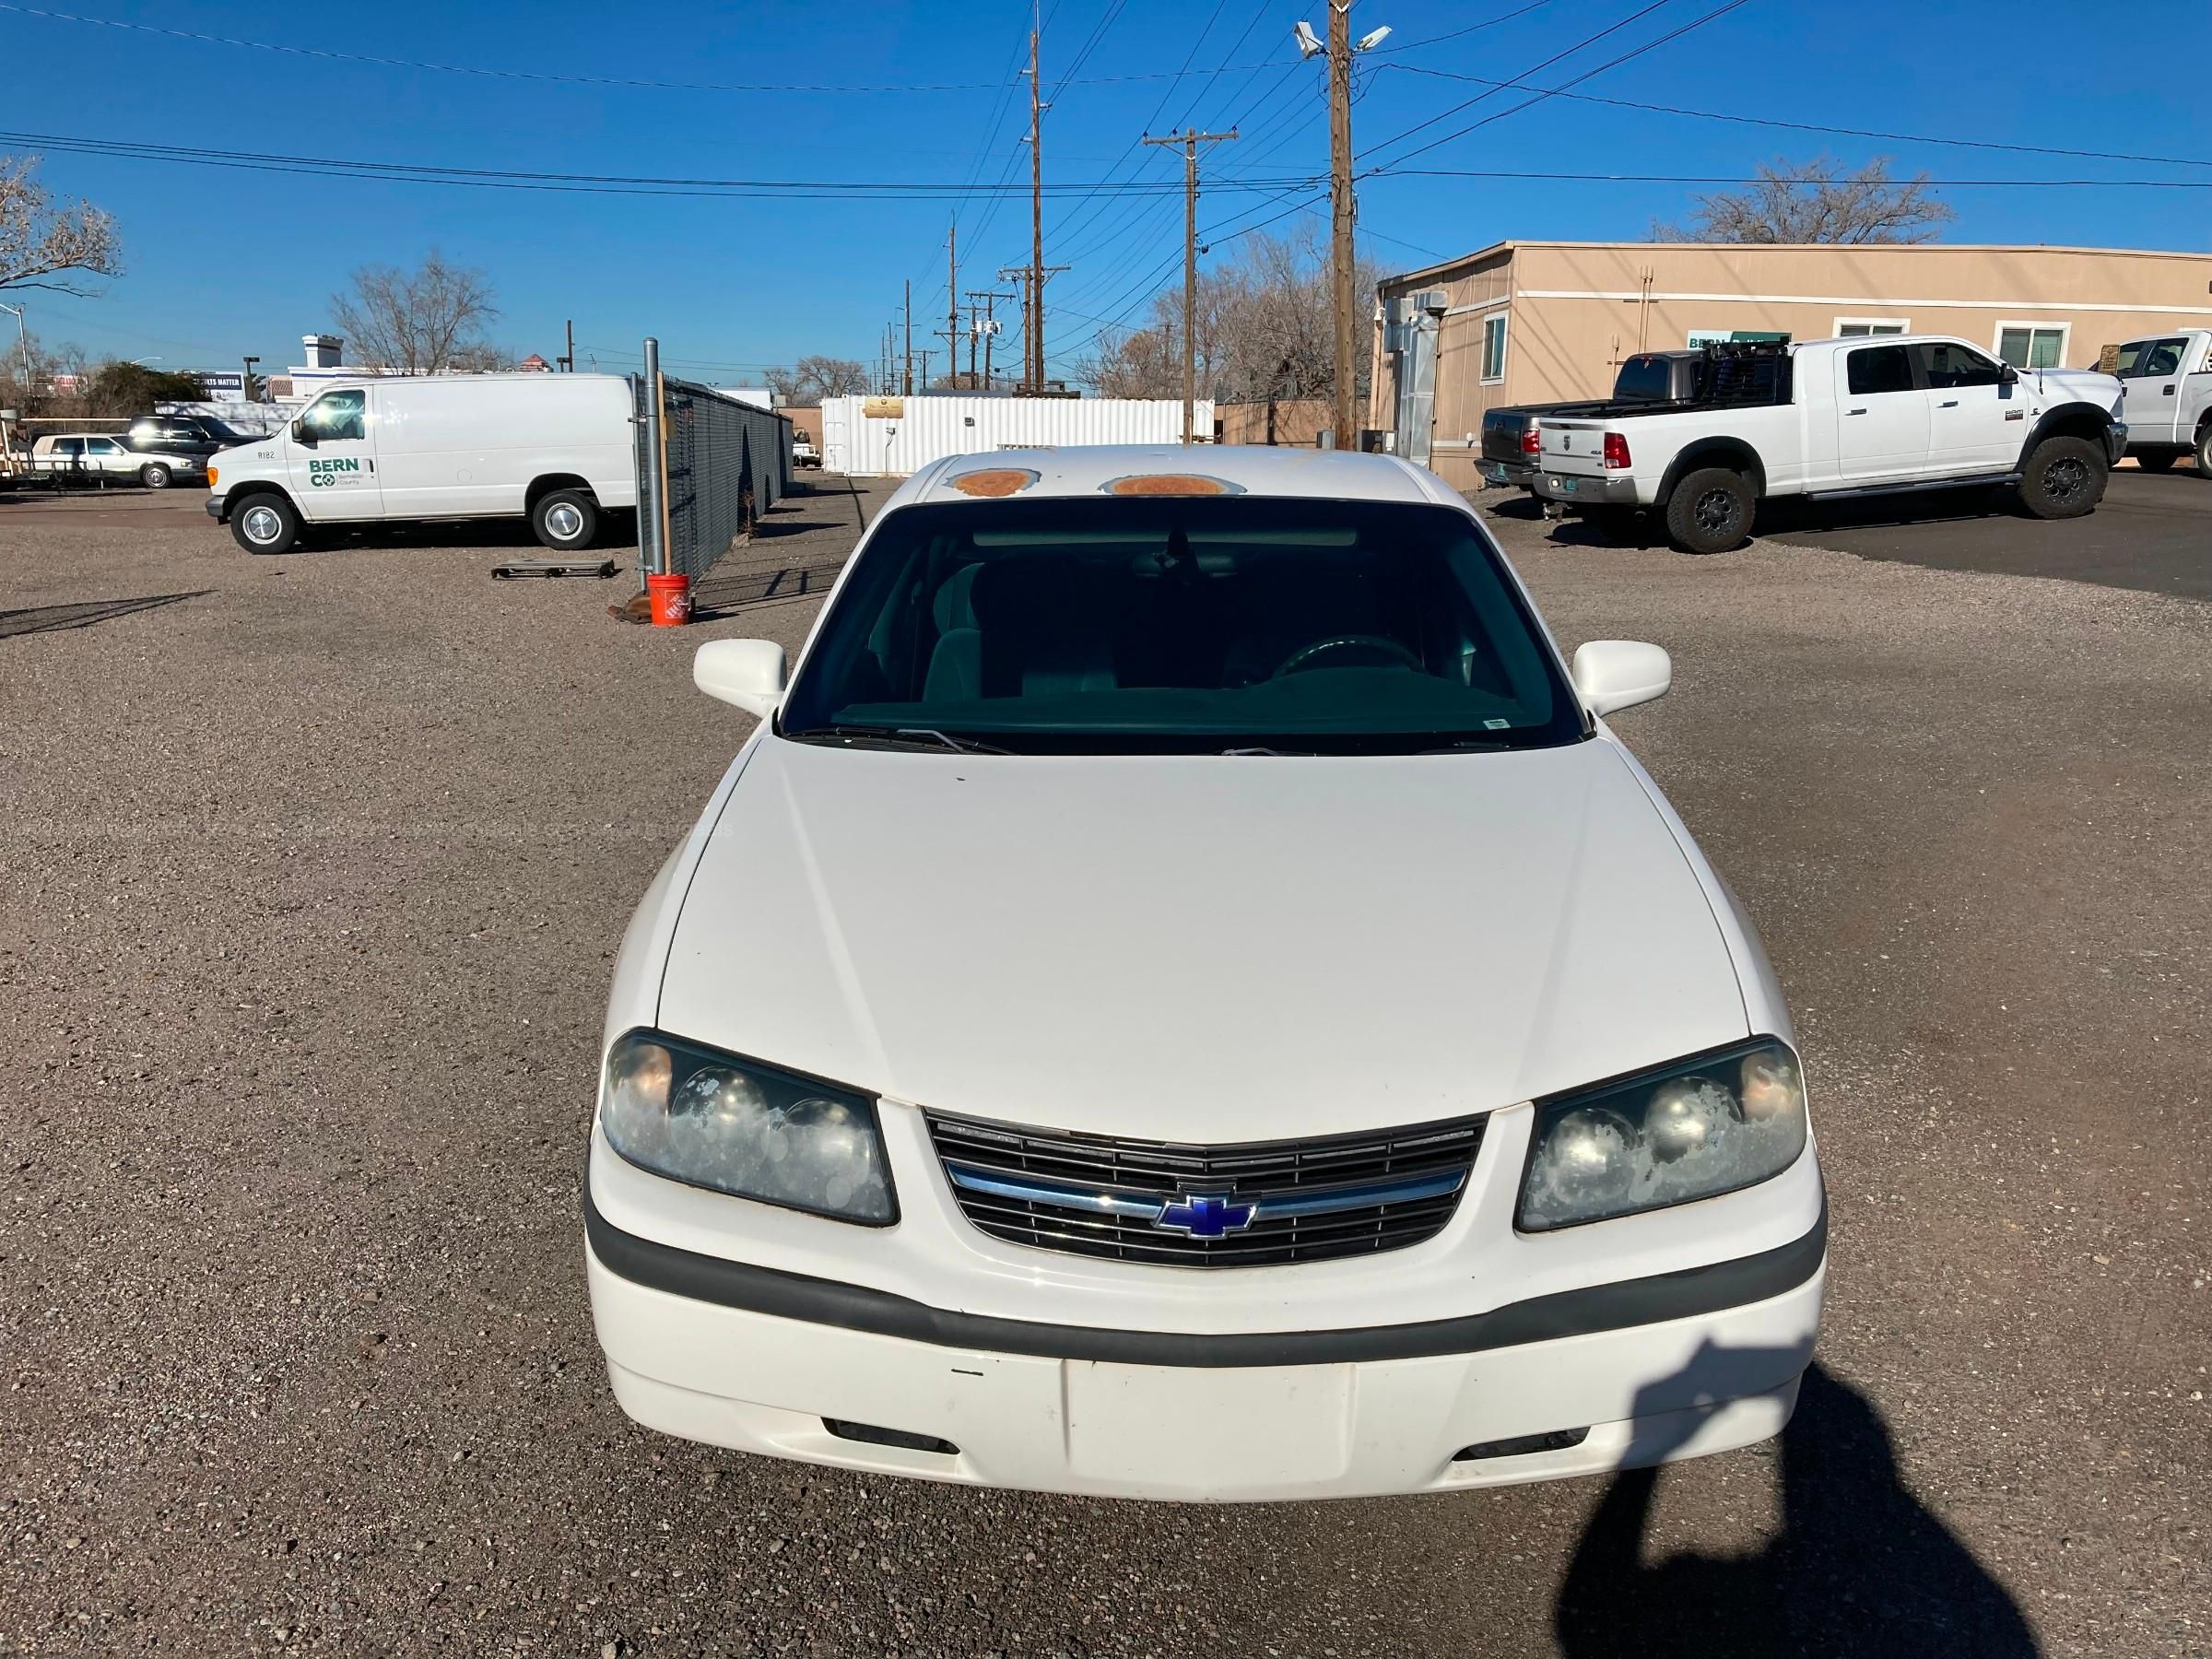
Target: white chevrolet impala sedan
x=1182, y=995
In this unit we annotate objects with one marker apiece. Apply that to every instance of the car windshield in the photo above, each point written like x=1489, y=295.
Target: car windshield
x=1160, y=625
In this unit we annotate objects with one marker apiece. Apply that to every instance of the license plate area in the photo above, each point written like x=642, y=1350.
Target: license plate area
x=1273, y=1424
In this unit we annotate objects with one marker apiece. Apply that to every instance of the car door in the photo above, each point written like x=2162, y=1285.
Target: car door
x=1881, y=416
x=1976, y=418
x=2151, y=380
x=109, y=457
x=331, y=458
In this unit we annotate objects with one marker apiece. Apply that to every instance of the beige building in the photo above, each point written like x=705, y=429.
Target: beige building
x=1528, y=322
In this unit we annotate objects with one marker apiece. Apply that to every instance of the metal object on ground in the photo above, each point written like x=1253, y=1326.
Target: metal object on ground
x=554, y=567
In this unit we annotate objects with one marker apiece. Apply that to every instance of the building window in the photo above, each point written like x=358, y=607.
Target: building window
x=1493, y=347
x=1848, y=328
x=2032, y=345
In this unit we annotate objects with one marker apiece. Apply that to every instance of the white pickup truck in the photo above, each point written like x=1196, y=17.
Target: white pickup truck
x=1837, y=418
x=2167, y=380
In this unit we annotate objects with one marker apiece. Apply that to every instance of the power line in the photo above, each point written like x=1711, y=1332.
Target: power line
x=605, y=183
x=1454, y=34
x=1676, y=34
x=633, y=82
x=1808, y=127
x=1555, y=57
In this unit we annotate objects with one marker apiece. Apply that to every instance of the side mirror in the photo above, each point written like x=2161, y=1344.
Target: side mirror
x=2008, y=375
x=302, y=435
x=1619, y=674
x=747, y=674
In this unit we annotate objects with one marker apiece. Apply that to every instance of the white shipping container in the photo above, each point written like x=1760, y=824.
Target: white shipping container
x=929, y=429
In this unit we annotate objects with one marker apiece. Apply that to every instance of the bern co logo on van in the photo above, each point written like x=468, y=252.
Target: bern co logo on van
x=340, y=470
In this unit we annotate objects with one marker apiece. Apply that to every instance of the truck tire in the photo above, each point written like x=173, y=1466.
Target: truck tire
x=2063, y=479
x=565, y=520
x=2157, y=460
x=265, y=522
x=154, y=476
x=2204, y=451
x=1711, y=511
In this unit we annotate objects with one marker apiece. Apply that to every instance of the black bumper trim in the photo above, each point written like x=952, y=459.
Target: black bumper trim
x=215, y=505
x=1685, y=1294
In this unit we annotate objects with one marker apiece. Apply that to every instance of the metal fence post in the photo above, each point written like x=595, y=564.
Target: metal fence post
x=652, y=516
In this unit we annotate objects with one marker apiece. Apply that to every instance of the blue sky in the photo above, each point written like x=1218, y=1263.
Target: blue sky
x=224, y=260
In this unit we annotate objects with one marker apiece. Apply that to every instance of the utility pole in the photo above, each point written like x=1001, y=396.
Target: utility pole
x=1033, y=338
x=568, y=361
x=23, y=340
x=952, y=304
x=1340, y=213
x=1032, y=330
x=1190, y=139
x=909, y=384
x=926, y=352
x=990, y=331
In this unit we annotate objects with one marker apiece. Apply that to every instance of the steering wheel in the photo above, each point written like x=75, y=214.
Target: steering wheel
x=1303, y=656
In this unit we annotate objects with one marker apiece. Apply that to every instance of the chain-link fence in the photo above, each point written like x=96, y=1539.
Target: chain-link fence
x=724, y=463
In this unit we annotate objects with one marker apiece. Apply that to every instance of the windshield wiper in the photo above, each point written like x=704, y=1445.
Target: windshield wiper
x=1468, y=745
x=1262, y=750
x=899, y=737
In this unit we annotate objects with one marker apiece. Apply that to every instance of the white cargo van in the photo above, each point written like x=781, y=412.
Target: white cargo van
x=555, y=448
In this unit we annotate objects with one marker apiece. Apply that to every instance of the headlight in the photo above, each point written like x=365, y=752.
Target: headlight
x=698, y=1116
x=1685, y=1131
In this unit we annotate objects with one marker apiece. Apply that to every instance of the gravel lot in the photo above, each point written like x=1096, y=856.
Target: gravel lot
x=310, y=873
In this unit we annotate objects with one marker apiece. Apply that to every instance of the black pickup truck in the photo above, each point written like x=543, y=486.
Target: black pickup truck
x=1511, y=441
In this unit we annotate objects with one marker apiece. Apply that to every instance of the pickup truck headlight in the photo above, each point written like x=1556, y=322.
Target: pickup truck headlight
x=713, y=1119
x=1690, y=1130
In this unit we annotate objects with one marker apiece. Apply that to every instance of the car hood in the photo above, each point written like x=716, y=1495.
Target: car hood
x=1199, y=948
x=2088, y=385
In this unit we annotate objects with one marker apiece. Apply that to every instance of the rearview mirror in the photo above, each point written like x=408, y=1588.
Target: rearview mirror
x=747, y=674
x=1619, y=674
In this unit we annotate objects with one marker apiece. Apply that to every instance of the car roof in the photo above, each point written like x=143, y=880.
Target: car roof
x=1089, y=470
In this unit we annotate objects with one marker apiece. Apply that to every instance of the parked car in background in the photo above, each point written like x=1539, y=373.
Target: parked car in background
x=1182, y=995
x=553, y=449
x=1511, y=446
x=1861, y=415
x=91, y=457
x=200, y=435
x=803, y=452
x=2167, y=380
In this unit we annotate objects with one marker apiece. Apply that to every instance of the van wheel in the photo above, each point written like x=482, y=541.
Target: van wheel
x=1710, y=511
x=154, y=476
x=2157, y=460
x=265, y=522
x=2063, y=479
x=565, y=520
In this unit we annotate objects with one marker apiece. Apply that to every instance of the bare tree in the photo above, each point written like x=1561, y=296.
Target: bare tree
x=1263, y=329
x=39, y=243
x=817, y=377
x=1817, y=201
x=429, y=321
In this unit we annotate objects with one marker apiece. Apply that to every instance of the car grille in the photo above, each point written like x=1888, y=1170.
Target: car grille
x=1307, y=1200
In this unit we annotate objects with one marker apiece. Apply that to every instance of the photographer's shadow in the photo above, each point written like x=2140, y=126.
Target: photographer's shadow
x=1859, y=1567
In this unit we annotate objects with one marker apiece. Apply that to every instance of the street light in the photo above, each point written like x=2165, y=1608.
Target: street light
x=23, y=337
x=1340, y=49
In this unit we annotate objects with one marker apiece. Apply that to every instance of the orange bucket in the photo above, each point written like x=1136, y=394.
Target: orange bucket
x=671, y=597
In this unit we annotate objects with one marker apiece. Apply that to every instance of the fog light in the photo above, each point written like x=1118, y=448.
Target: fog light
x=889, y=1437
x=1522, y=1445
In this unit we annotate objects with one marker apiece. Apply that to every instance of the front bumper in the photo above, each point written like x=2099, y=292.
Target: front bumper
x=2115, y=441
x=1648, y=1370
x=219, y=508
x=1513, y=475
x=1586, y=489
